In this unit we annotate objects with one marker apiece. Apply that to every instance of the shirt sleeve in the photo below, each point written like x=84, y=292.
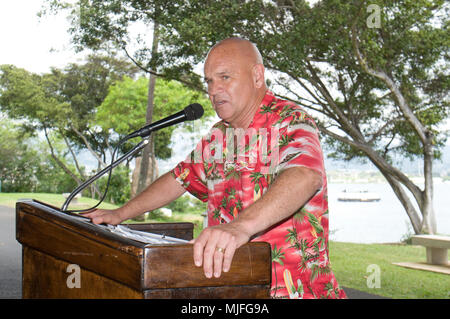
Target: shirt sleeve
x=190, y=173
x=299, y=143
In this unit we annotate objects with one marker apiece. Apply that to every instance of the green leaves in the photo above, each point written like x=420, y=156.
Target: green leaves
x=23, y=95
x=124, y=109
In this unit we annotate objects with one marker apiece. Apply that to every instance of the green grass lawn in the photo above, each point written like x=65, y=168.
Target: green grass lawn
x=10, y=199
x=349, y=261
x=350, y=264
x=195, y=218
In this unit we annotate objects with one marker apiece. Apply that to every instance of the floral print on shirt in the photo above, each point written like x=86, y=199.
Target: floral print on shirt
x=230, y=171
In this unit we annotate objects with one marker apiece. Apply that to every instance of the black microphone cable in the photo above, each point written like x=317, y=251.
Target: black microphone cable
x=191, y=112
x=123, y=140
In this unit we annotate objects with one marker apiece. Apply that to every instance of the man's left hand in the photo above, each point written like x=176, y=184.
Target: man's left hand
x=214, y=248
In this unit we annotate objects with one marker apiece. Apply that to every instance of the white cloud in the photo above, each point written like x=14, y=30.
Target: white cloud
x=33, y=43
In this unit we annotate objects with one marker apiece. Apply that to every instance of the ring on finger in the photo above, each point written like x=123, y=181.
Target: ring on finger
x=220, y=249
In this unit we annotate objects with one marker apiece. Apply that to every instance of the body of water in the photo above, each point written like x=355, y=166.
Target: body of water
x=383, y=221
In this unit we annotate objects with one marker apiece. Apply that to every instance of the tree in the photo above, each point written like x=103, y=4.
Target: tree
x=381, y=89
x=26, y=165
x=63, y=104
x=111, y=33
x=83, y=88
x=374, y=74
x=127, y=99
x=24, y=97
x=99, y=25
x=16, y=159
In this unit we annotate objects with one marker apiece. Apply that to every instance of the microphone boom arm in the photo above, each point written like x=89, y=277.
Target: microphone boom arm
x=131, y=152
x=191, y=112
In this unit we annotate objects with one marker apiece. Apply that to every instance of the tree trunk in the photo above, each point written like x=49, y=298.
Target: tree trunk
x=146, y=169
x=89, y=147
x=396, y=183
x=149, y=148
x=136, y=174
x=404, y=200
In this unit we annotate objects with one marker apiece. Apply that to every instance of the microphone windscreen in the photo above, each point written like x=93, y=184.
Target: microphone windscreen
x=193, y=111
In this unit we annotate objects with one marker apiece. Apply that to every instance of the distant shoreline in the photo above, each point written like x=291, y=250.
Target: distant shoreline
x=358, y=179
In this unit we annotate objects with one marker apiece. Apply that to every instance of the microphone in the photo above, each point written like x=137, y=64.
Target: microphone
x=191, y=112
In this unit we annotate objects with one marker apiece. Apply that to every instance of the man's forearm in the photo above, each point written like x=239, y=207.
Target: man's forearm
x=290, y=191
x=160, y=193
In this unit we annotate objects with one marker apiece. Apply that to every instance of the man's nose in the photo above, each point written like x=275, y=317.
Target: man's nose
x=214, y=87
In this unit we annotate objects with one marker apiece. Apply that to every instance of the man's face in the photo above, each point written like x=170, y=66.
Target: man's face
x=230, y=84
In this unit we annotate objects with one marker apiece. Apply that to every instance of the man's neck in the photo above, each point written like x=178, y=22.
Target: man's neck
x=245, y=121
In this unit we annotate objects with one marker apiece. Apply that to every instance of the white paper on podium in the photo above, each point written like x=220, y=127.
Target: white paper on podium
x=141, y=236
x=144, y=237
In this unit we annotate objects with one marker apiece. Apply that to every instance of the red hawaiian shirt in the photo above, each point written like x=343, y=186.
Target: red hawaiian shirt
x=232, y=168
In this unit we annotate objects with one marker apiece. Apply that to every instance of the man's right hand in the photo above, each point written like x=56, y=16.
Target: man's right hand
x=104, y=216
x=161, y=192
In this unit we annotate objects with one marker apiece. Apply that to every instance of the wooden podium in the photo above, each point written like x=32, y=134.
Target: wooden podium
x=56, y=245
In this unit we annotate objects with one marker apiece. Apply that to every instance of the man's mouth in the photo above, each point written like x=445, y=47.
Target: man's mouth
x=219, y=103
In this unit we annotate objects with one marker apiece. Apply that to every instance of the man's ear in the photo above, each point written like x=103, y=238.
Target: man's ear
x=258, y=75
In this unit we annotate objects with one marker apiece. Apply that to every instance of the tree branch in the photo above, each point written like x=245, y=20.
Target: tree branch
x=93, y=186
x=405, y=201
x=342, y=118
x=406, y=110
x=88, y=145
x=73, y=156
x=140, y=66
x=378, y=161
x=58, y=161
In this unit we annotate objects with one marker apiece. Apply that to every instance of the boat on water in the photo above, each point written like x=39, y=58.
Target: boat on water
x=361, y=196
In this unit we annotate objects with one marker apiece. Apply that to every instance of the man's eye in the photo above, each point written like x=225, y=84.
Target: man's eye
x=225, y=77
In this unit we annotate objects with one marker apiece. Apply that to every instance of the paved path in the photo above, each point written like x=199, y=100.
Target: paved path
x=11, y=260
x=10, y=256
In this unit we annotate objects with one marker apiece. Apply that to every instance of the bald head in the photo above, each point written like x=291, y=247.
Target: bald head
x=241, y=47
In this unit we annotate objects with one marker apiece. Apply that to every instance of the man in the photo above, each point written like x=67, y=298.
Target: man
x=279, y=198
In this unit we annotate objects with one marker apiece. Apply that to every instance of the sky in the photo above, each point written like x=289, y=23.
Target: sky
x=34, y=43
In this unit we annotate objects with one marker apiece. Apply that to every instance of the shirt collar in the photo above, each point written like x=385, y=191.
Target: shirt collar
x=267, y=100
x=257, y=117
